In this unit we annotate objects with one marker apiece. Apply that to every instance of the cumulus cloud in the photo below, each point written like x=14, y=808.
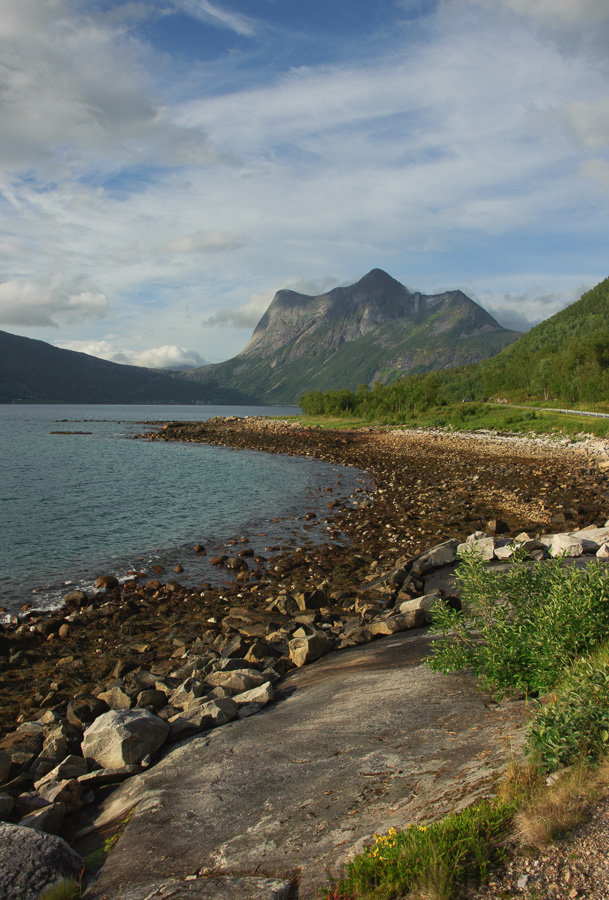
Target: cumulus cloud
x=248, y=315
x=167, y=357
x=28, y=304
x=75, y=92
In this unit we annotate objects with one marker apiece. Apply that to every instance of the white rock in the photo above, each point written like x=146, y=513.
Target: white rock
x=566, y=545
x=123, y=737
x=485, y=547
x=603, y=552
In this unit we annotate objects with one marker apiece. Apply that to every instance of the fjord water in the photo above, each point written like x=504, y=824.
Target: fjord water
x=74, y=506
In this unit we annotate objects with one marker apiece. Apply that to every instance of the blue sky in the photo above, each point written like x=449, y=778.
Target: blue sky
x=166, y=166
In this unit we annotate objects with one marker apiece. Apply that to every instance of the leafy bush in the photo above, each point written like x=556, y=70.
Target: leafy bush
x=519, y=630
x=575, y=723
x=435, y=858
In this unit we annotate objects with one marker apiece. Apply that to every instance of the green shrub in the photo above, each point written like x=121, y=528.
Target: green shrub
x=574, y=725
x=519, y=630
x=439, y=857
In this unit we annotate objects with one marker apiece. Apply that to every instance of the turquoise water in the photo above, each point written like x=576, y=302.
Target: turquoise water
x=74, y=506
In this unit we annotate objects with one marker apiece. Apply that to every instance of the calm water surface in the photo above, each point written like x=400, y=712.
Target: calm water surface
x=73, y=506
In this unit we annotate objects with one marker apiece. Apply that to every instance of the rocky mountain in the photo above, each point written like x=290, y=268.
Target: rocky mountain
x=375, y=330
x=36, y=372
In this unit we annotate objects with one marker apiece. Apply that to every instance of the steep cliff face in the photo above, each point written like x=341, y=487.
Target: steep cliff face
x=375, y=330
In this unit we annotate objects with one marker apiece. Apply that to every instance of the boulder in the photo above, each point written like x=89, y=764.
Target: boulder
x=189, y=690
x=207, y=715
x=311, y=600
x=115, y=698
x=123, y=737
x=84, y=709
x=106, y=583
x=103, y=777
x=5, y=766
x=304, y=650
x=75, y=598
x=443, y=555
x=152, y=699
x=6, y=806
x=258, y=696
x=70, y=767
x=603, y=552
x=484, y=547
x=23, y=745
x=427, y=603
x=47, y=818
x=566, y=545
x=68, y=792
x=236, y=681
x=497, y=526
x=54, y=750
x=414, y=618
x=31, y=861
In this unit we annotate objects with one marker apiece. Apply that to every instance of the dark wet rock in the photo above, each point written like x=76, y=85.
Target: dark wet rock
x=107, y=583
x=31, y=861
x=76, y=599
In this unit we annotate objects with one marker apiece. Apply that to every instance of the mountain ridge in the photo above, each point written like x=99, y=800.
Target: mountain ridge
x=373, y=330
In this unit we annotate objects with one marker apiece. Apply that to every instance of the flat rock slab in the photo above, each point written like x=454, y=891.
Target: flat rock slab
x=363, y=740
x=222, y=887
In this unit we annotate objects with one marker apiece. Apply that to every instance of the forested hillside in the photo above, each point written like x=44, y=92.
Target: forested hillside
x=565, y=359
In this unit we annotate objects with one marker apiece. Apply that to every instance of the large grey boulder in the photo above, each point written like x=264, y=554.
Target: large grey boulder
x=31, y=861
x=123, y=737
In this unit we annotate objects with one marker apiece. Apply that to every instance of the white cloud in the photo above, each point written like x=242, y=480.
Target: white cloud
x=597, y=170
x=205, y=242
x=524, y=310
x=558, y=13
x=587, y=121
x=167, y=357
x=215, y=15
x=28, y=304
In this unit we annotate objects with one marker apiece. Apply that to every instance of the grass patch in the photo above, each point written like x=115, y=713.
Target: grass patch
x=66, y=889
x=431, y=861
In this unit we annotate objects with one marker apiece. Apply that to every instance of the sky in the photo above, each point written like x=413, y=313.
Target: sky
x=166, y=166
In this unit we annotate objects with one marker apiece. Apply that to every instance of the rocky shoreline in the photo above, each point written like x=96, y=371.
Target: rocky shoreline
x=155, y=661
